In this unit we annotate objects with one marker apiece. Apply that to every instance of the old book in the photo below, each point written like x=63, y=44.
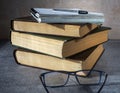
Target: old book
x=47, y=15
x=27, y=24
x=84, y=60
x=58, y=46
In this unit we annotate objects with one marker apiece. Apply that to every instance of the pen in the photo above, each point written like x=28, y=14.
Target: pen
x=75, y=11
x=35, y=12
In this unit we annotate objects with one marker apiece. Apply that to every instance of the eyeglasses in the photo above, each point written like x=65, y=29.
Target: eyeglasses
x=54, y=79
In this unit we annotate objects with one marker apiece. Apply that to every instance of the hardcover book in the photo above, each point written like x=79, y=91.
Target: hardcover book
x=28, y=24
x=59, y=46
x=84, y=60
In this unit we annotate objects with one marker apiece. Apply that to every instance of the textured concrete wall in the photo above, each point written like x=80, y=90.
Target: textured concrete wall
x=10, y=9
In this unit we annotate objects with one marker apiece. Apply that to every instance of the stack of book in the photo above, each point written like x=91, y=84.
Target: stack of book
x=57, y=46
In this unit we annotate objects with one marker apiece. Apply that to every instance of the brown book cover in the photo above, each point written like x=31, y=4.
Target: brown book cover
x=81, y=61
x=27, y=24
x=59, y=46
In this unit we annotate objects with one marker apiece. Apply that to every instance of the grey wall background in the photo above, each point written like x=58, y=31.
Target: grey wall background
x=10, y=9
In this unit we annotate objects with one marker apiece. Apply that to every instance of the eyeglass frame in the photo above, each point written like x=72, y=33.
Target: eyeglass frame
x=74, y=73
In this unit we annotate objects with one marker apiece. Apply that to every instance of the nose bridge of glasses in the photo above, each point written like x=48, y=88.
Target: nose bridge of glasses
x=82, y=74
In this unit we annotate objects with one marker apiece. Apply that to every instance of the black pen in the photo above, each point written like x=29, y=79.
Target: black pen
x=75, y=11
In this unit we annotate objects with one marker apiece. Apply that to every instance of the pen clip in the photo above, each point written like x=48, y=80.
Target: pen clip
x=72, y=11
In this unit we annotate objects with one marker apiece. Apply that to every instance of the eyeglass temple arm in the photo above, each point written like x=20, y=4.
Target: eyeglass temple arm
x=43, y=82
x=106, y=75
